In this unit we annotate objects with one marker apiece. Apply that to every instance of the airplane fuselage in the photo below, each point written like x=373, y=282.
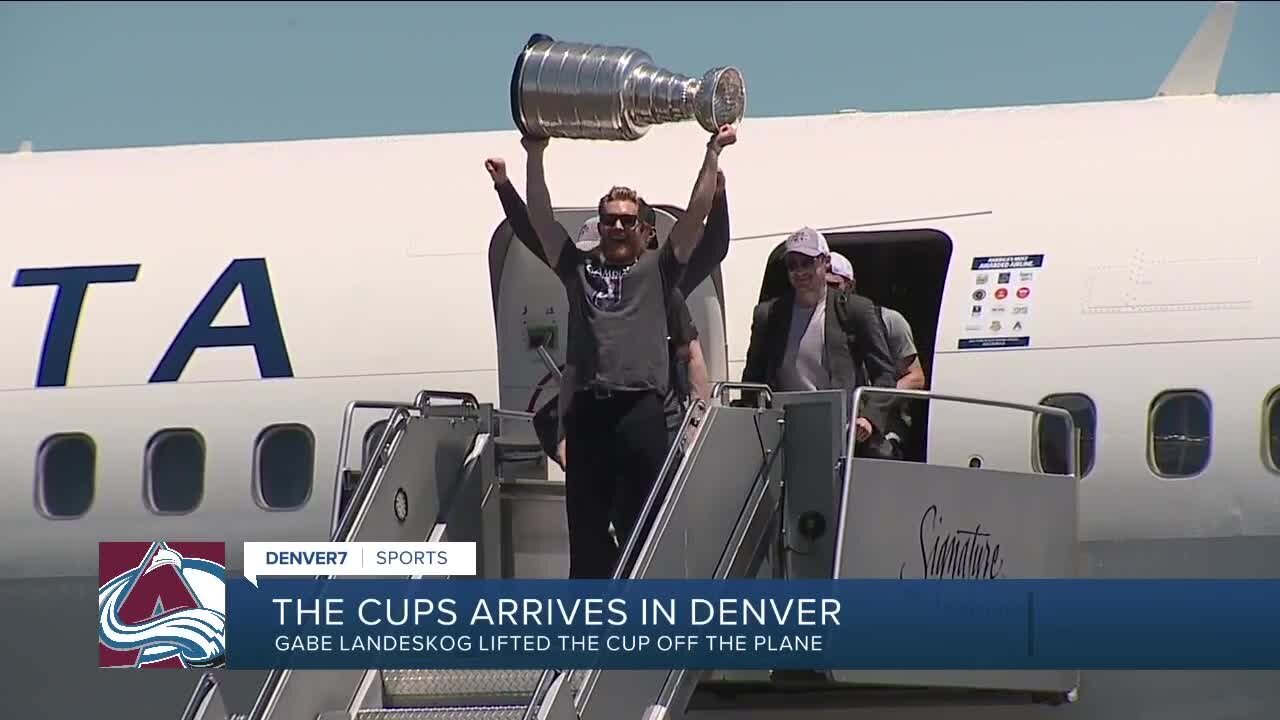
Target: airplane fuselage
x=243, y=294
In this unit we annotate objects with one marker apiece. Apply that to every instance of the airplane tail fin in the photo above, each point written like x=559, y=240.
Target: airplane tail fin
x=1199, y=65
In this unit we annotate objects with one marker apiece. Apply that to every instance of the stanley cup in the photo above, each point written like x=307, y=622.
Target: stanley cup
x=598, y=92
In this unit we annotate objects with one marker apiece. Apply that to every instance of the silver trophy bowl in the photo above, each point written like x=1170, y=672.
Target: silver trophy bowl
x=601, y=92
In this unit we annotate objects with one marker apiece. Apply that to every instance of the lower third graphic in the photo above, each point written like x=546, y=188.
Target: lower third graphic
x=162, y=605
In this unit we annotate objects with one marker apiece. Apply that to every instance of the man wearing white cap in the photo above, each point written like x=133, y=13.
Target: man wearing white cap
x=841, y=273
x=814, y=339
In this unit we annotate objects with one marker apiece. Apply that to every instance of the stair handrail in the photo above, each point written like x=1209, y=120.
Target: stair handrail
x=343, y=521
x=633, y=546
x=421, y=403
x=206, y=685
x=720, y=389
x=1072, y=458
x=344, y=448
x=423, y=399
x=852, y=437
x=400, y=415
x=346, y=527
x=680, y=677
x=365, y=491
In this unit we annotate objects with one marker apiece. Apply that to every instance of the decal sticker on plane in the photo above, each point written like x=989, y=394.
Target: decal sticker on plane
x=999, y=315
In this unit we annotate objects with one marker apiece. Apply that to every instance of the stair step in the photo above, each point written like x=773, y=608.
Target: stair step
x=482, y=712
x=458, y=688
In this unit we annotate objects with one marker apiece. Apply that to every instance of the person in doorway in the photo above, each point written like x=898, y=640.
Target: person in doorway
x=704, y=259
x=689, y=378
x=817, y=338
x=618, y=294
x=712, y=249
x=910, y=375
x=689, y=382
x=901, y=340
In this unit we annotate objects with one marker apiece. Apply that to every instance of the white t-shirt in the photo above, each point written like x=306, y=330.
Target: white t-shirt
x=802, y=368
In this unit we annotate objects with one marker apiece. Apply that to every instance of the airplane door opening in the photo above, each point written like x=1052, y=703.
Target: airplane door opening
x=905, y=270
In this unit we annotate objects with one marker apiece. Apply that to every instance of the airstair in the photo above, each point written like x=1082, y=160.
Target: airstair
x=767, y=487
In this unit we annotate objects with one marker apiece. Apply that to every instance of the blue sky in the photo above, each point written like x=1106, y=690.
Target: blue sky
x=84, y=75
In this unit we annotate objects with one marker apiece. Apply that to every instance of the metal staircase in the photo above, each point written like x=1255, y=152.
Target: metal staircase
x=764, y=489
x=447, y=695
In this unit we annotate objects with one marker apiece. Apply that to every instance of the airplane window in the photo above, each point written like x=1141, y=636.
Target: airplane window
x=175, y=471
x=1180, y=433
x=1051, y=433
x=371, y=438
x=285, y=465
x=1272, y=452
x=66, y=475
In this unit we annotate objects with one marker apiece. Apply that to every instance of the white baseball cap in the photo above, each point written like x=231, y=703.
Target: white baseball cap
x=841, y=266
x=808, y=241
x=588, y=234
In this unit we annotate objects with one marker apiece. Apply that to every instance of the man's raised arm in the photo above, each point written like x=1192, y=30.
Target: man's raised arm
x=688, y=230
x=540, y=213
x=516, y=210
x=713, y=248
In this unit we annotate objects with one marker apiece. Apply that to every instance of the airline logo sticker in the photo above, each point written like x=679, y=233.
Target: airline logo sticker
x=162, y=605
x=1015, y=275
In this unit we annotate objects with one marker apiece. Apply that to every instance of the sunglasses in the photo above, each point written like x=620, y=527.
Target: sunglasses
x=628, y=221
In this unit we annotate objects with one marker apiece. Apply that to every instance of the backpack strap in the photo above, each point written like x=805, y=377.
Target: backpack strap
x=851, y=336
x=846, y=324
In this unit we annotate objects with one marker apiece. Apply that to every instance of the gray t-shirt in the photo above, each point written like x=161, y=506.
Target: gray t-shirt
x=618, y=318
x=901, y=342
x=902, y=345
x=802, y=368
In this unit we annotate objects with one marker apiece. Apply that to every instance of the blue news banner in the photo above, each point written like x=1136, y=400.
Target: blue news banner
x=754, y=624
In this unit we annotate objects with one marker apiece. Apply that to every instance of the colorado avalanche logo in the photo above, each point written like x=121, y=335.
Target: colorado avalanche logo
x=604, y=284
x=162, y=605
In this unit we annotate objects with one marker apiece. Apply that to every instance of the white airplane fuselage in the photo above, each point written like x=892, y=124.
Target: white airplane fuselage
x=360, y=269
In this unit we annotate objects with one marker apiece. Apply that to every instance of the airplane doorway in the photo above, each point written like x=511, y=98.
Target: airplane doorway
x=901, y=269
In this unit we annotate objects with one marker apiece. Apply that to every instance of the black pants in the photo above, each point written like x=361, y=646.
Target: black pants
x=672, y=415
x=616, y=446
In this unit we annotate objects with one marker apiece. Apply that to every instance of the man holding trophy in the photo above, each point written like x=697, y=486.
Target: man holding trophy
x=618, y=291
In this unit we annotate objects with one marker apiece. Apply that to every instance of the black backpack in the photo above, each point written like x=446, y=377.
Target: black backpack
x=893, y=406
x=851, y=332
